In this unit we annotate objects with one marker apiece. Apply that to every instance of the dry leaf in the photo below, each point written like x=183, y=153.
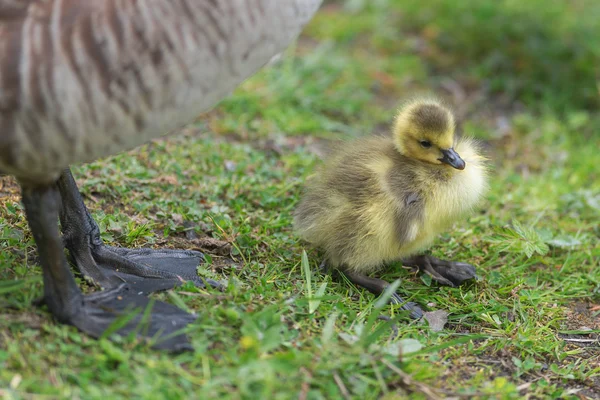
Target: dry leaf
x=436, y=319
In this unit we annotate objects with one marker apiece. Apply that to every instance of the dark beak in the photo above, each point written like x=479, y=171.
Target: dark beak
x=452, y=158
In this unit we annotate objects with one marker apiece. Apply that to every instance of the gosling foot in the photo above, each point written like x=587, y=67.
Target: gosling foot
x=378, y=286
x=449, y=273
x=144, y=270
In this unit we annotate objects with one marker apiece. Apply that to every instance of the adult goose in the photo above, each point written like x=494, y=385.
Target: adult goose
x=84, y=79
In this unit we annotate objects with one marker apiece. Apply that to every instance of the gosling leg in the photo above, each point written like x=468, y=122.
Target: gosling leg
x=449, y=273
x=378, y=286
x=144, y=270
x=94, y=313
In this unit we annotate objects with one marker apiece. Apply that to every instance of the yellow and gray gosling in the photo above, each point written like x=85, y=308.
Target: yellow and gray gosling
x=381, y=199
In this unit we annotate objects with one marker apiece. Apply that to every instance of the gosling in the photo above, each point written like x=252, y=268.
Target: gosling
x=382, y=199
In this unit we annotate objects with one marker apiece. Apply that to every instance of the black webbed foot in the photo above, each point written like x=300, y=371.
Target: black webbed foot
x=95, y=313
x=449, y=273
x=159, y=322
x=144, y=270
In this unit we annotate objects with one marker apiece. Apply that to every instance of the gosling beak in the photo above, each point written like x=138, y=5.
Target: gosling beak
x=452, y=158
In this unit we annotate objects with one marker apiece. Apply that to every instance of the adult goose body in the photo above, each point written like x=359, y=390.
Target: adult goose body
x=84, y=79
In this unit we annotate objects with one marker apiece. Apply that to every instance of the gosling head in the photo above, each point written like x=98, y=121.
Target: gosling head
x=425, y=130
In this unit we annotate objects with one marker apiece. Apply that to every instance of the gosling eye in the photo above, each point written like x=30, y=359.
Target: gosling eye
x=425, y=143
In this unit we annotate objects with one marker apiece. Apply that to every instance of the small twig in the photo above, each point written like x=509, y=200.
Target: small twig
x=428, y=391
x=304, y=388
x=526, y=385
x=380, y=379
x=305, y=385
x=582, y=340
x=204, y=295
x=9, y=393
x=341, y=385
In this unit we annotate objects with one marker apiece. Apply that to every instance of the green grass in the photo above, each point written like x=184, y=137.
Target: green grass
x=524, y=82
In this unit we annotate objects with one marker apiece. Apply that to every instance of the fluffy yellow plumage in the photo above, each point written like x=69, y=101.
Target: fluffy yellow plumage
x=380, y=199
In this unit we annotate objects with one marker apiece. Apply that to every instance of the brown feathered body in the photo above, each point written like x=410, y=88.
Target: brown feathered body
x=83, y=79
x=369, y=205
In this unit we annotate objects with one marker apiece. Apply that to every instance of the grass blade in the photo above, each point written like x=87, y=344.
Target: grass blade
x=10, y=286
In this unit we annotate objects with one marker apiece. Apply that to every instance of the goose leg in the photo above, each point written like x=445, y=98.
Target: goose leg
x=144, y=270
x=93, y=314
x=378, y=286
x=449, y=273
